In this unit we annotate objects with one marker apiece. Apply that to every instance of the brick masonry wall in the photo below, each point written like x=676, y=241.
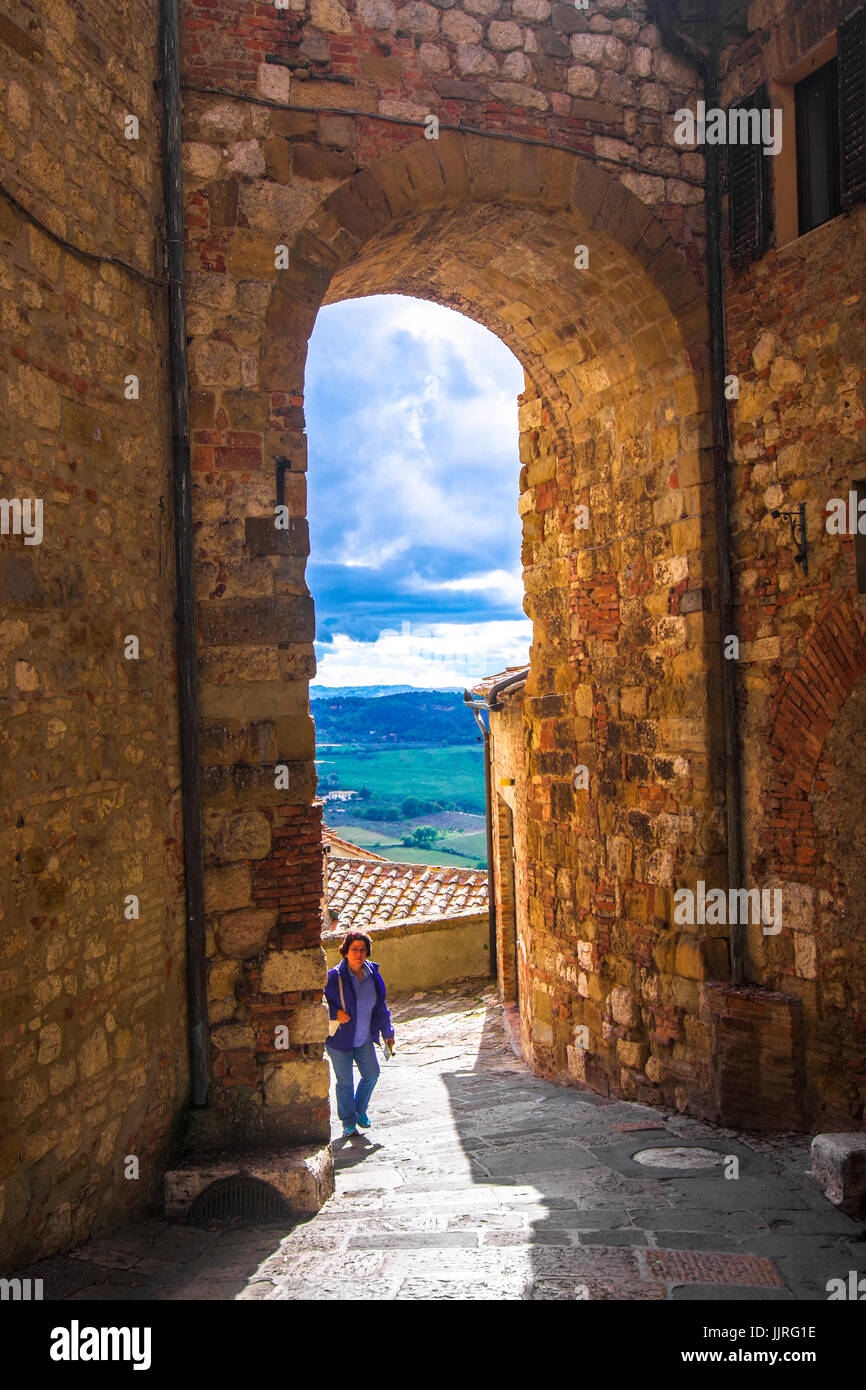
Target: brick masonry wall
x=93, y=1051
x=614, y=416
x=626, y=647
x=795, y=334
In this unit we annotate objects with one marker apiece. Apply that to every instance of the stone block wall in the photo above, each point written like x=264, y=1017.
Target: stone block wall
x=795, y=339
x=309, y=145
x=309, y=178
x=93, y=1046
x=624, y=685
x=798, y=434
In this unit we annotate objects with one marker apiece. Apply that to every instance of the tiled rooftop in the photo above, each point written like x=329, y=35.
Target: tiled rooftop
x=483, y=687
x=363, y=894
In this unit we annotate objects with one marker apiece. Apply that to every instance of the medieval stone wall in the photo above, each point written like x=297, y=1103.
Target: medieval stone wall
x=305, y=141
x=93, y=1050
x=309, y=177
x=795, y=334
x=795, y=1056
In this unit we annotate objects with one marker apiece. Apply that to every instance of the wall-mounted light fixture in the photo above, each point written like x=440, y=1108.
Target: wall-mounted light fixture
x=797, y=522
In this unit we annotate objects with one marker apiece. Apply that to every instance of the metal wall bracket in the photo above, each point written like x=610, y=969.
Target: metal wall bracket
x=283, y=466
x=797, y=522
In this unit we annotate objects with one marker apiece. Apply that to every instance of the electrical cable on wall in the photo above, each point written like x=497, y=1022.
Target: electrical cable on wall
x=93, y=256
x=421, y=125
x=105, y=259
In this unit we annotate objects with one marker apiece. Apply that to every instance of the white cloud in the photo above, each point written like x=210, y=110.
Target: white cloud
x=504, y=585
x=359, y=553
x=412, y=419
x=431, y=656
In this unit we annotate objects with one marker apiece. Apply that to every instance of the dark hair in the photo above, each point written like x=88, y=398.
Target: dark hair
x=355, y=936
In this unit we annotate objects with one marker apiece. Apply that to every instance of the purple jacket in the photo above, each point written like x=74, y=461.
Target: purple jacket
x=380, y=1021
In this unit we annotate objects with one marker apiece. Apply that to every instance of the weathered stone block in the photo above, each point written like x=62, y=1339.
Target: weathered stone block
x=311, y=162
x=243, y=784
x=330, y=16
x=244, y=836
x=296, y=738
x=314, y=47
x=310, y=1024
x=689, y=959
x=839, y=1166
x=419, y=19
x=623, y=1007
x=222, y=978
x=293, y=970
x=304, y=1176
x=264, y=538
x=461, y=28
x=631, y=1054
x=222, y=197
x=254, y=621
x=245, y=933
x=378, y=14
x=232, y=1035
x=295, y=125
x=93, y=1054
x=295, y=1082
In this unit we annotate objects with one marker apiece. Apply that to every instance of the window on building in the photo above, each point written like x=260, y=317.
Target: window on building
x=818, y=191
x=852, y=108
x=748, y=193
x=820, y=169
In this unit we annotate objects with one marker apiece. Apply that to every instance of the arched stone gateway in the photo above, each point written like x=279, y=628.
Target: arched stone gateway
x=554, y=204
x=596, y=288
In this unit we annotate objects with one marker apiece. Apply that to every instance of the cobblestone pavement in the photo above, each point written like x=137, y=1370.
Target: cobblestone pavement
x=477, y=1180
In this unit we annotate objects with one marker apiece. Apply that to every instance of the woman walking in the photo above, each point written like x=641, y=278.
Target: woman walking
x=359, y=1018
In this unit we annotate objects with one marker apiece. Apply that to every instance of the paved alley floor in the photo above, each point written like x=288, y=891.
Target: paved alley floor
x=479, y=1181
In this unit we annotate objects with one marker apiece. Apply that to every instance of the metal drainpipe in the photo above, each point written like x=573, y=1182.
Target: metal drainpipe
x=488, y=817
x=475, y=706
x=187, y=675
x=708, y=67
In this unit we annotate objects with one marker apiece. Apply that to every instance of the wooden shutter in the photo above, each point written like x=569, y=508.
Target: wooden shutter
x=852, y=108
x=748, y=192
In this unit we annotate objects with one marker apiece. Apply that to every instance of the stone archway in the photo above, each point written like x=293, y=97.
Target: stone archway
x=614, y=420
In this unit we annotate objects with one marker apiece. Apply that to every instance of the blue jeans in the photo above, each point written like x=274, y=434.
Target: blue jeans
x=352, y=1104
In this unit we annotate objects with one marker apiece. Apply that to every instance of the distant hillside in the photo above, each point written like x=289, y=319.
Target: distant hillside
x=436, y=718
x=365, y=692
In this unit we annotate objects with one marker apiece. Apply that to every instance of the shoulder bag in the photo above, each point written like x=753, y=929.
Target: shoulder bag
x=334, y=1023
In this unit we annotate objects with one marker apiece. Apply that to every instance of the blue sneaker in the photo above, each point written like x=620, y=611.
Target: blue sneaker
x=363, y=1122
x=348, y=1131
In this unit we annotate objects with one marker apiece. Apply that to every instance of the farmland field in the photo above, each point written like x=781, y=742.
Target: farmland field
x=452, y=774
x=460, y=850
x=402, y=854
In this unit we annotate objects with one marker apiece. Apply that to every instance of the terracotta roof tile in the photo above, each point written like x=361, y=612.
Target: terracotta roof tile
x=361, y=892
x=484, y=686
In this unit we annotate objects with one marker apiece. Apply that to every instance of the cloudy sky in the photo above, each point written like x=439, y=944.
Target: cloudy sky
x=413, y=473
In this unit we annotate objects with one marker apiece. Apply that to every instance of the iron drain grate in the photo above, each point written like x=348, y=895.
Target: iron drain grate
x=241, y=1200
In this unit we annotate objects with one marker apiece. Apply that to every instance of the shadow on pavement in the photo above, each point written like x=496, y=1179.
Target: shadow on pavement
x=594, y=1224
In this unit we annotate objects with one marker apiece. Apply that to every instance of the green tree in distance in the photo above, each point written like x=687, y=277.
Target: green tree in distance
x=424, y=836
